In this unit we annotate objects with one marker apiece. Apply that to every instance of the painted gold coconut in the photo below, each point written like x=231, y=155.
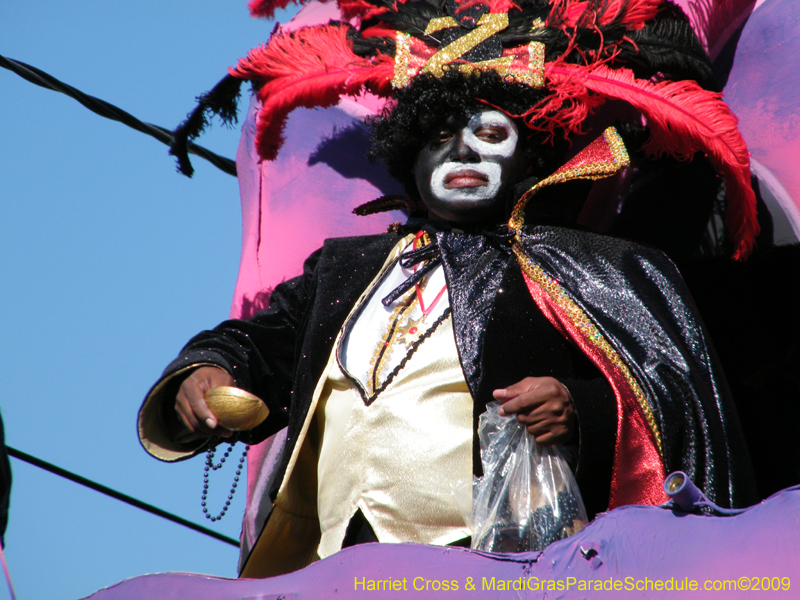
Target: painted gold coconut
x=236, y=409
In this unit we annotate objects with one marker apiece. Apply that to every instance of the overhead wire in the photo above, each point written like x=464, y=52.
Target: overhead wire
x=109, y=111
x=117, y=495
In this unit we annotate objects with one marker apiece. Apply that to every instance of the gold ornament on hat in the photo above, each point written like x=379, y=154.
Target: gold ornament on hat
x=521, y=64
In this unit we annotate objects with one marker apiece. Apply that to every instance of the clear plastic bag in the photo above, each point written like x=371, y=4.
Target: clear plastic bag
x=527, y=497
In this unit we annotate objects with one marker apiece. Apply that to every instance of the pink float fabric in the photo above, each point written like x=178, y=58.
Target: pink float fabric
x=763, y=90
x=762, y=86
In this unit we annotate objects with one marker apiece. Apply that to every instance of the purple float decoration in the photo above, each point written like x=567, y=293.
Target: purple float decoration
x=631, y=552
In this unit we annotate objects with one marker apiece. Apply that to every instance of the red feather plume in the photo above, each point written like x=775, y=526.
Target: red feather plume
x=494, y=6
x=502, y=6
x=361, y=9
x=683, y=119
x=379, y=30
x=349, y=8
x=312, y=67
x=632, y=14
x=267, y=8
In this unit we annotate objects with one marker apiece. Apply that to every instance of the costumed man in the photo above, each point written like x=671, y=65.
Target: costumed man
x=380, y=358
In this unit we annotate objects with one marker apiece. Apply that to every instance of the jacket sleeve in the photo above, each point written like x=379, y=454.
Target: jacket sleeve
x=259, y=353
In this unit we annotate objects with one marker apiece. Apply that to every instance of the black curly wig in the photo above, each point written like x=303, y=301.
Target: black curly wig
x=421, y=108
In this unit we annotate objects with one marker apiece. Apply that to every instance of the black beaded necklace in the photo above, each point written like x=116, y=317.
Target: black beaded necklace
x=209, y=467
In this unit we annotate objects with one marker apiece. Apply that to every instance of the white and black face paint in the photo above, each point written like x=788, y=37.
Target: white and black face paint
x=463, y=173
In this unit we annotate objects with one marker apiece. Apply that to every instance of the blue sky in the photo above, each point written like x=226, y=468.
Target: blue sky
x=109, y=262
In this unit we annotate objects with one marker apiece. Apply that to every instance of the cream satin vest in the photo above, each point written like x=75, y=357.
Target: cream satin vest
x=395, y=459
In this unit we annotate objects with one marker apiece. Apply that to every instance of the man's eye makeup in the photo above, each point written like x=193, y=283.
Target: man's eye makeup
x=492, y=134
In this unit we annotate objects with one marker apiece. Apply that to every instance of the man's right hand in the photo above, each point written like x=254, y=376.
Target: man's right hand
x=191, y=407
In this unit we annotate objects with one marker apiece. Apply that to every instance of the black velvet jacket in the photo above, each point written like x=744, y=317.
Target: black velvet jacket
x=634, y=295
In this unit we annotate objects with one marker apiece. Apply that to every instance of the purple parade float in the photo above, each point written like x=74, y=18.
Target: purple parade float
x=631, y=551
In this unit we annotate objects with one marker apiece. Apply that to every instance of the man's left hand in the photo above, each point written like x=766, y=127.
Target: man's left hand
x=544, y=406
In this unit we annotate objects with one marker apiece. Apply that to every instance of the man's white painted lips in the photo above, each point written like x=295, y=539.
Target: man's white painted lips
x=465, y=178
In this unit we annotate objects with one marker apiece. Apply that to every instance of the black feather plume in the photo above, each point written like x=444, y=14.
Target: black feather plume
x=221, y=100
x=669, y=46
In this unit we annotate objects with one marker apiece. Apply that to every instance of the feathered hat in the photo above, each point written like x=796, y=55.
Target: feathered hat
x=582, y=53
